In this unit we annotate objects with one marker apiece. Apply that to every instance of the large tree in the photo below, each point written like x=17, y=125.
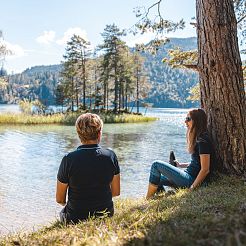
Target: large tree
x=221, y=77
x=221, y=81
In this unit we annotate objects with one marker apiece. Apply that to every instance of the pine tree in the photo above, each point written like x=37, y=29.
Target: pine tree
x=112, y=48
x=76, y=57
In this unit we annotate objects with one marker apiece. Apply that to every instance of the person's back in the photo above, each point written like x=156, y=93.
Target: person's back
x=91, y=174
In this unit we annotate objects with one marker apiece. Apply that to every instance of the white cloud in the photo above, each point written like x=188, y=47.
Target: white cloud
x=17, y=50
x=46, y=38
x=69, y=33
x=142, y=39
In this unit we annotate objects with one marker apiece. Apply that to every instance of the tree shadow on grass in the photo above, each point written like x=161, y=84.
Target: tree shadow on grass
x=213, y=215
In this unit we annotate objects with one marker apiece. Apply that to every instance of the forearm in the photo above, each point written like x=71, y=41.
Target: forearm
x=115, y=185
x=115, y=194
x=184, y=165
x=63, y=203
x=61, y=192
x=200, y=177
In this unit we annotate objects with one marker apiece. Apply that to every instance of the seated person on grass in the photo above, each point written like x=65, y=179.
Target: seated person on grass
x=90, y=174
x=202, y=162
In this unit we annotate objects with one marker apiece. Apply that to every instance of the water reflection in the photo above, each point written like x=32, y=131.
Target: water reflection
x=31, y=155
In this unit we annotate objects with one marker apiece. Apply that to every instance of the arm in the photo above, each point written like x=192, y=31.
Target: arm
x=182, y=165
x=61, y=191
x=115, y=185
x=205, y=164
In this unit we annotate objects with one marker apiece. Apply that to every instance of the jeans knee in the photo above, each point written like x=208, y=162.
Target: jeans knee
x=155, y=164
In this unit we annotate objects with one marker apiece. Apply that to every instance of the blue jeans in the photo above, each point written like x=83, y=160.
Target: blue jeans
x=163, y=173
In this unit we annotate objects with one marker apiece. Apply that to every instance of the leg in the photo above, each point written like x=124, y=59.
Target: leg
x=151, y=190
x=172, y=175
x=165, y=182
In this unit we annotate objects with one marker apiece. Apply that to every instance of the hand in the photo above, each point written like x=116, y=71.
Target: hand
x=191, y=188
x=177, y=163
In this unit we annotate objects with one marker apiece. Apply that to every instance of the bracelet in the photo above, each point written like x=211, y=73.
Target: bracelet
x=192, y=187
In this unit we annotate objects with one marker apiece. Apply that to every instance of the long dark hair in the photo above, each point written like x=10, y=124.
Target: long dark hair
x=199, y=125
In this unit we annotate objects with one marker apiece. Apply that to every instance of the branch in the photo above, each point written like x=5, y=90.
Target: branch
x=191, y=66
x=153, y=5
x=241, y=19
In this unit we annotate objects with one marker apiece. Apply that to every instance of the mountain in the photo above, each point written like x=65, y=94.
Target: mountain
x=38, y=82
x=170, y=87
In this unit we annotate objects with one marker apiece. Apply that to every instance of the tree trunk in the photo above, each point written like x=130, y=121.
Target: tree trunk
x=221, y=80
x=137, y=89
x=84, y=84
x=116, y=91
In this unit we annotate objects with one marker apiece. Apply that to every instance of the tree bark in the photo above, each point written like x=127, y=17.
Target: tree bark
x=221, y=81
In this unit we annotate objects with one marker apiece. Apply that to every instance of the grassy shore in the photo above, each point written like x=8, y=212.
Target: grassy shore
x=69, y=118
x=213, y=215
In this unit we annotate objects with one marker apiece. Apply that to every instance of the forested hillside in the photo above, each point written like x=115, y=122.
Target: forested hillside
x=170, y=87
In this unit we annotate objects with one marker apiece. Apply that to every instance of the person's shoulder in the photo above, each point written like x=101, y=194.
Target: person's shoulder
x=203, y=137
x=108, y=151
x=71, y=154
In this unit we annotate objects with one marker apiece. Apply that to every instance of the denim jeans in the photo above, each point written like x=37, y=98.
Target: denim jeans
x=164, y=174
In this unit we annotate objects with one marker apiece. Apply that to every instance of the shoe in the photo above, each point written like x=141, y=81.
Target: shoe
x=172, y=159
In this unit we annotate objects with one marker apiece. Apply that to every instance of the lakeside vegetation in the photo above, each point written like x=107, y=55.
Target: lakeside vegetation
x=212, y=215
x=70, y=118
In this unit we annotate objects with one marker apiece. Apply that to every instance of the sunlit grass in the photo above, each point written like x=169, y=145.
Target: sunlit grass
x=69, y=119
x=213, y=215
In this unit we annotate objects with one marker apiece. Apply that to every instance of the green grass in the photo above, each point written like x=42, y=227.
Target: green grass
x=213, y=215
x=69, y=119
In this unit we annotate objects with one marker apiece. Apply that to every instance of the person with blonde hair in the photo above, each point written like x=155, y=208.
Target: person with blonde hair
x=90, y=174
x=202, y=162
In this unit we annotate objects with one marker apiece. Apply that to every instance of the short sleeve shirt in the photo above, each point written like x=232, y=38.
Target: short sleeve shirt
x=88, y=171
x=203, y=146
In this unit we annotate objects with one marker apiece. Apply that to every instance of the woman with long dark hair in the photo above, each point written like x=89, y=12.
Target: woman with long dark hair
x=201, y=166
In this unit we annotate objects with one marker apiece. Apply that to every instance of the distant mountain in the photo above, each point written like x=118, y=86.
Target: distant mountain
x=42, y=69
x=37, y=82
x=170, y=87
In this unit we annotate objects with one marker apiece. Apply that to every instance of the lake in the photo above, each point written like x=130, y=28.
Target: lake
x=30, y=157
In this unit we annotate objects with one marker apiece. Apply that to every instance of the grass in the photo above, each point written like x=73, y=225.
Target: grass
x=213, y=215
x=69, y=119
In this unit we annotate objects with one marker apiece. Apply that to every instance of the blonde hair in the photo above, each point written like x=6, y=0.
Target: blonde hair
x=88, y=127
x=199, y=125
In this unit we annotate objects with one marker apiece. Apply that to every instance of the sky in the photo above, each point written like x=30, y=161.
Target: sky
x=37, y=30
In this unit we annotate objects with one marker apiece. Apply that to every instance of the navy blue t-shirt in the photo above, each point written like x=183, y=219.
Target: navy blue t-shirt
x=88, y=171
x=203, y=146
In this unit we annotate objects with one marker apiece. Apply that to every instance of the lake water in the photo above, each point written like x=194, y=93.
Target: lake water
x=30, y=157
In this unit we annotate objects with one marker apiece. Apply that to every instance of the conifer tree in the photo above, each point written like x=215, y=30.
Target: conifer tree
x=112, y=48
x=76, y=57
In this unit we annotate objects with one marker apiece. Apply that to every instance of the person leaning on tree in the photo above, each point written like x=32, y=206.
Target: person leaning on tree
x=202, y=163
x=90, y=174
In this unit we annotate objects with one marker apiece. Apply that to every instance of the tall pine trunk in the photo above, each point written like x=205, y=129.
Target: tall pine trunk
x=221, y=80
x=84, y=85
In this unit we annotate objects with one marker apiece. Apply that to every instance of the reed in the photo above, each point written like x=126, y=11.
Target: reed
x=69, y=119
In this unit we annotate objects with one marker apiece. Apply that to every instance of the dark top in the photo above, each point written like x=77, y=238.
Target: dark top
x=203, y=146
x=88, y=171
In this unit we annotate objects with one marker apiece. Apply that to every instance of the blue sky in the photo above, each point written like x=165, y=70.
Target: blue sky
x=37, y=30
